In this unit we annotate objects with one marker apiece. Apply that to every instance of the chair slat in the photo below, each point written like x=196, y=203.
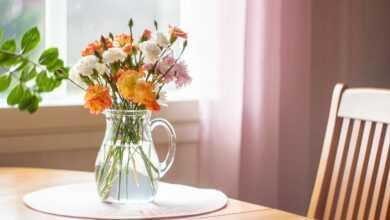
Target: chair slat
x=356, y=183
x=380, y=177
x=355, y=140
x=370, y=170
x=353, y=177
x=332, y=130
x=337, y=166
x=386, y=197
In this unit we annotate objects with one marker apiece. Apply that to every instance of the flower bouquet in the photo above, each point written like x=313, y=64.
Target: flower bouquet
x=123, y=77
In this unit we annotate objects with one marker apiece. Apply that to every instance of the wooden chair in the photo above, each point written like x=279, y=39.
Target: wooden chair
x=353, y=180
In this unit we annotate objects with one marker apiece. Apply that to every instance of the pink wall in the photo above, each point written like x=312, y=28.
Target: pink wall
x=321, y=43
x=294, y=146
x=350, y=44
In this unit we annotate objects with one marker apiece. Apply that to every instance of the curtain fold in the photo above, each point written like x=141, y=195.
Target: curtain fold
x=254, y=143
x=221, y=114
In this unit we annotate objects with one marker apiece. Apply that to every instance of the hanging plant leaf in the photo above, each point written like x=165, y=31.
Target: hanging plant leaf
x=49, y=56
x=5, y=81
x=30, y=40
x=16, y=94
x=9, y=45
x=28, y=74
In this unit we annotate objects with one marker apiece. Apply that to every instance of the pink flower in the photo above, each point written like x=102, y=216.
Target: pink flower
x=148, y=66
x=172, y=71
x=181, y=74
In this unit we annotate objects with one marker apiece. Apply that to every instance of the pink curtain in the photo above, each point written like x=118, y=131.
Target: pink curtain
x=249, y=140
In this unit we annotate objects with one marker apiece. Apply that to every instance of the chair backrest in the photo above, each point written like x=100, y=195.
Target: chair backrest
x=352, y=178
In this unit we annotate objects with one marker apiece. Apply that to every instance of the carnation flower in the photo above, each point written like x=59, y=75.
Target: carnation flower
x=161, y=40
x=113, y=55
x=97, y=99
x=126, y=83
x=96, y=46
x=172, y=71
x=151, y=51
x=87, y=64
x=144, y=95
x=100, y=68
x=133, y=89
x=181, y=75
x=177, y=32
x=167, y=63
x=121, y=40
x=146, y=35
x=148, y=66
x=74, y=75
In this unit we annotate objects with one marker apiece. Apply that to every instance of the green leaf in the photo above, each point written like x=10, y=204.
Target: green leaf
x=42, y=81
x=48, y=56
x=5, y=81
x=1, y=33
x=57, y=64
x=26, y=100
x=28, y=74
x=7, y=60
x=46, y=83
x=9, y=45
x=30, y=39
x=33, y=107
x=19, y=66
x=16, y=95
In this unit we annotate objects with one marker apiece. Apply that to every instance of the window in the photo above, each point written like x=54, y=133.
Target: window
x=71, y=24
x=17, y=16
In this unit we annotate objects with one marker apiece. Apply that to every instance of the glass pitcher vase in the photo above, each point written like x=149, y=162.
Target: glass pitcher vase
x=127, y=167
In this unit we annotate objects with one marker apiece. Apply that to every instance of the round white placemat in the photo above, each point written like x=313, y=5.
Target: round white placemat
x=82, y=201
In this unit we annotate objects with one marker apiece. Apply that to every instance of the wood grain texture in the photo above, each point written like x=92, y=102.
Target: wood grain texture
x=318, y=194
x=15, y=182
x=354, y=182
x=378, y=188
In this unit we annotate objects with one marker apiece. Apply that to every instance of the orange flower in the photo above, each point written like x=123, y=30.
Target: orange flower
x=177, y=32
x=91, y=48
x=146, y=35
x=144, y=95
x=127, y=80
x=124, y=41
x=97, y=99
x=133, y=89
x=96, y=46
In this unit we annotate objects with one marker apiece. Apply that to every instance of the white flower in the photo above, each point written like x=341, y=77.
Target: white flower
x=151, y=51
x=161, y=40
x=113, y=55
x=75, y=75
x=100, y=68
x=86, y=65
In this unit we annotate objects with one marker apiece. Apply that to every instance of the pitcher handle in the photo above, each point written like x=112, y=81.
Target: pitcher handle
x=169, y=158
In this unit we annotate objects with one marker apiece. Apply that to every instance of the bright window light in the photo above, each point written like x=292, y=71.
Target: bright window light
x=71, y=24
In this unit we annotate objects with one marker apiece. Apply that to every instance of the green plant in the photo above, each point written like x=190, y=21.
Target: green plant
x=27, y=79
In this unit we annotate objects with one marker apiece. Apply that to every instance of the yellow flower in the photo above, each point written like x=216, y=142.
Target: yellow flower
x=97, y=99
x=132, y=88
x=145, y=95
x=126, y=83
